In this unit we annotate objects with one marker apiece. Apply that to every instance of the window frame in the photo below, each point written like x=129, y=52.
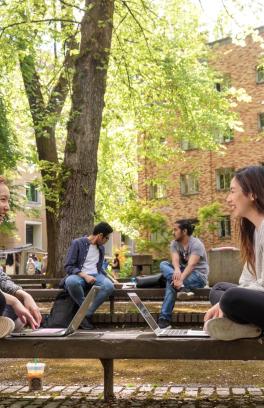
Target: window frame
x=157, y=191
x=185, y=180
x=226, y=219
x=29, y=188
x=223, y=172
x=258, y=71
x=261, y=126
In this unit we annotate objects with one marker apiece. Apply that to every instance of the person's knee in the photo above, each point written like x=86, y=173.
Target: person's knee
x=230, y=300
x=2, y=303
x=109, y=287
x=214, y=289
x=164, y=265
x=72, y=282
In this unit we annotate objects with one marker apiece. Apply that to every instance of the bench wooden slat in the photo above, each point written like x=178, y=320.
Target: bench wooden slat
x=139, y=345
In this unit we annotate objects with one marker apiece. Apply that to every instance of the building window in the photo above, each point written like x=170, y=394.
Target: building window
x=189, y=184
x=224, y=228
x=187, y=145
x=260, y=75
x=223, y=179
x=261, y=121
x=33, y=232
x=223, y=137
x=223, y=84
x=32, y=193
x=157, y=191
x=29, y=234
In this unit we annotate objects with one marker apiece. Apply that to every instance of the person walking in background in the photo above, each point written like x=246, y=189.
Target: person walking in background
x=116, y=266
x=84, y=267
x=238, y=310
x=17, y=307
x=188, y=269
x=30, y=267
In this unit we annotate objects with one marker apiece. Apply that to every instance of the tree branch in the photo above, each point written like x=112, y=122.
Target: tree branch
x=45, y=20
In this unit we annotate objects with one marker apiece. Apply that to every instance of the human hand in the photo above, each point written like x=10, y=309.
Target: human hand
x=177, y=283
x=24, y=315
x=33, y=309
x=214, y=311
x=89, y=279
x=176, y=275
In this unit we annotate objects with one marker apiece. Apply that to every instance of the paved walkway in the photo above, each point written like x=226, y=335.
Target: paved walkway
x=17, y=396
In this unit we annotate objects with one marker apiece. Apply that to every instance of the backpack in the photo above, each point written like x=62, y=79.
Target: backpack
x=151, y=281
x=62, y=312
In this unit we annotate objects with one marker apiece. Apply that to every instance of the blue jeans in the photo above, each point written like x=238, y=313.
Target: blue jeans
x=77, y=288
x=194, y=280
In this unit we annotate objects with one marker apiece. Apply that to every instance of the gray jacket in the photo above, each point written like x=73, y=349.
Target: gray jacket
x=6, y=284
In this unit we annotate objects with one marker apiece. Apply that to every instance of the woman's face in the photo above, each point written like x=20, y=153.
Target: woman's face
x=4, y=201
x=239, y=203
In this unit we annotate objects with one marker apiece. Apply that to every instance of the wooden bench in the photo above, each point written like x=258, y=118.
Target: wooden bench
x=118, y=295
x=128, y=345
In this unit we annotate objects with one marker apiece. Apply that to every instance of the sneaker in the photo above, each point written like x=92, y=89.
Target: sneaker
x=6, y=326
x=87, y=324
x=164, y=323
x=184, y=294
x=221, y=328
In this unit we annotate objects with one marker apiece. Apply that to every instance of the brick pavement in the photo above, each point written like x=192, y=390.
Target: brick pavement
x=146, y=395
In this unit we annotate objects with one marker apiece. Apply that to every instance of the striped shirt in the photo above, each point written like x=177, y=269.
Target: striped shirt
x=247, y=279
x=6, y=284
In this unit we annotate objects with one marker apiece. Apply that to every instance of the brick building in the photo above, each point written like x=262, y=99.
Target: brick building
x=204, y=176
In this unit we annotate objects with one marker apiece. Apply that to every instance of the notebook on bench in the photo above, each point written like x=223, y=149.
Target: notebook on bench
x=73, y=326
x=154, y=326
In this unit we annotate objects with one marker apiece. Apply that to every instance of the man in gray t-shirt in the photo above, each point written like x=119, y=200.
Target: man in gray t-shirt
x=188, y=269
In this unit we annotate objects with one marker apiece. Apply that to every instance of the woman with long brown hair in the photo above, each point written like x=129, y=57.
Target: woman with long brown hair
x=17, y=307
x=238, y=310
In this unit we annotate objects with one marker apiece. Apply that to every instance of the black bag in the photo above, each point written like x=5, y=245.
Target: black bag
x=151, y=281
x=62, y=312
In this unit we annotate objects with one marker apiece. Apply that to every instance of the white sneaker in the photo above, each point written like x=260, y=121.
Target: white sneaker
x=221, y=328
x=6, y=326
x=185, y=294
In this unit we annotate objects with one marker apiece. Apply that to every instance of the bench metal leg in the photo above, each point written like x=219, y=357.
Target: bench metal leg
x=108, y=365
x=112, y=306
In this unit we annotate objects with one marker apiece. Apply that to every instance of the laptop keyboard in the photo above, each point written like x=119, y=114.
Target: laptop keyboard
x=175, y=332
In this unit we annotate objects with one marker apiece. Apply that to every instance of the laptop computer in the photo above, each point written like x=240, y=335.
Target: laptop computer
x=154, y=326
x=73, y=326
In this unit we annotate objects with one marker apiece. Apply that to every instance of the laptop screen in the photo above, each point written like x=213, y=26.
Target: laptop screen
x=143, y=310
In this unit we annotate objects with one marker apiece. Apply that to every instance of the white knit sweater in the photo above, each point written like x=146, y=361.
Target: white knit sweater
x=247, y=280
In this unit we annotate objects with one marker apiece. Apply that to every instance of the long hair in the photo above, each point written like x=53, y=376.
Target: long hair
x=251, y=181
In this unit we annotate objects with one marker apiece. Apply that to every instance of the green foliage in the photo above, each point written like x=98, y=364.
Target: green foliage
x=126, y=268
x=8, y=150
x=208, y=218
x=160, y=90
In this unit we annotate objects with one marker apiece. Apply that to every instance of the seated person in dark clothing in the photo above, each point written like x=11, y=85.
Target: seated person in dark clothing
x=84, y=267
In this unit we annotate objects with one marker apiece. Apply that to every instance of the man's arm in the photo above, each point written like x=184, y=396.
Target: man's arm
x=175, y=260
x=70, y=265
x=192, y=262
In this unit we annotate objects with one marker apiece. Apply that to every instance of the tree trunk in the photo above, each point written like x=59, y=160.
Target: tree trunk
x=78, y=199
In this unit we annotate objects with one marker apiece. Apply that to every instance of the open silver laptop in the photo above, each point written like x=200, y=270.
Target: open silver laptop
x=154, y=326
x=73, y=326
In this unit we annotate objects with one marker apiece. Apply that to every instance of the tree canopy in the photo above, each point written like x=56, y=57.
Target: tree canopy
x=159, y=90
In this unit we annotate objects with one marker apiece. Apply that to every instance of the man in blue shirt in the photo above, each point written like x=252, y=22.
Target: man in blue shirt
x=84, y=267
